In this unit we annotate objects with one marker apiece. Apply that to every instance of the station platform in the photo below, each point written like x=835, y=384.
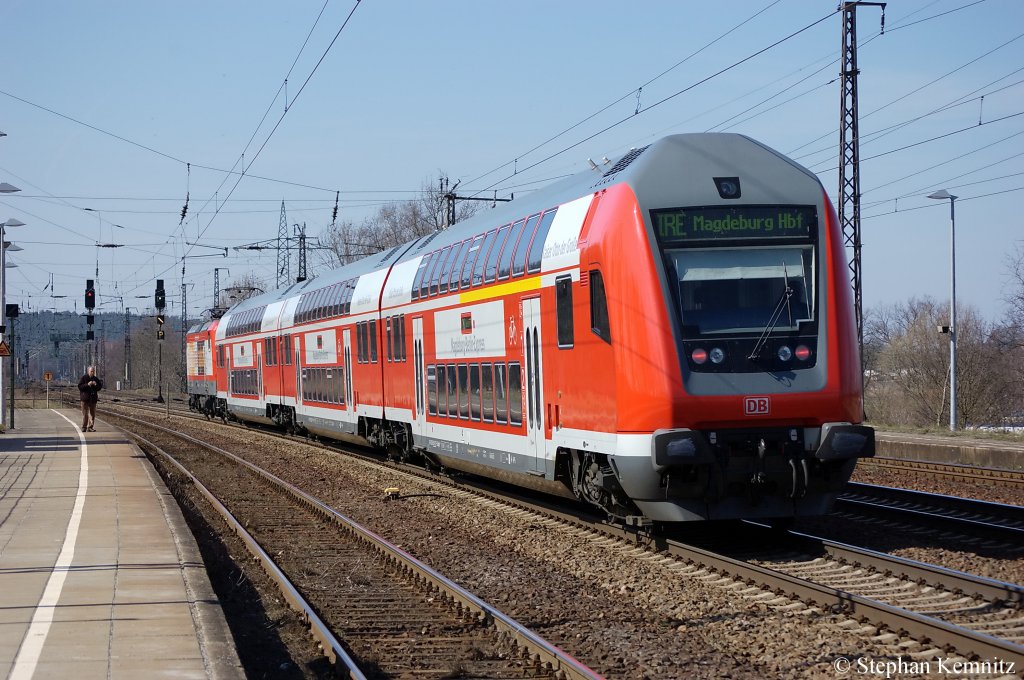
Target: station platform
x=992, y=453
x=99, y=574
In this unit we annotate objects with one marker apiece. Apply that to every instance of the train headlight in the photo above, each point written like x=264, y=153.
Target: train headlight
x=803, y=352
x=785, y=353
x=717, y=355
x=699, y=356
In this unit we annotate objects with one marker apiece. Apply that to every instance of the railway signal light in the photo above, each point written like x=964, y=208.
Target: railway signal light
x=90, y=295
x=160, y=298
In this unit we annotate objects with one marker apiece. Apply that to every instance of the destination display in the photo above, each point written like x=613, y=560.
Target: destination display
x=675, y=225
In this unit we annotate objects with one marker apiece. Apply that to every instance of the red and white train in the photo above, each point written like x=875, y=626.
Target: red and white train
x=668, y=337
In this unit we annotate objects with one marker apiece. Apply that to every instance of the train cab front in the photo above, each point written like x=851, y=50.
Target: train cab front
x=770, y=398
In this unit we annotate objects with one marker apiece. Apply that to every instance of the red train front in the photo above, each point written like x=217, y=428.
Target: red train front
x=669, y=337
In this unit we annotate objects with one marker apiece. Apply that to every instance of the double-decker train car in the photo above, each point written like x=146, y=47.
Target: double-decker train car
x=200, y=379
x=669, y=337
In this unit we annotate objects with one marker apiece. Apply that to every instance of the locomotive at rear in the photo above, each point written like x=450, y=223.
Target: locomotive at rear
x=734, y=356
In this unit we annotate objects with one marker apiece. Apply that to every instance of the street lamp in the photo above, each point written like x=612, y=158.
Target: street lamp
x=942, y=195
x=12, y=222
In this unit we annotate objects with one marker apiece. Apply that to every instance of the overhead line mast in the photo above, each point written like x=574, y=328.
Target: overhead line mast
x=849, y=157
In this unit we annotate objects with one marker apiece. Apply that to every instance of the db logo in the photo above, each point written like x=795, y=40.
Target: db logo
x=756, y=406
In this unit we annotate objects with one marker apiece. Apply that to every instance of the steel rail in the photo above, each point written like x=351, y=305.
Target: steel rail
x=558, y=660
x=972, y=585
x=998, y=521
x=331, y=646
x=941, y=633
x=1002, y=476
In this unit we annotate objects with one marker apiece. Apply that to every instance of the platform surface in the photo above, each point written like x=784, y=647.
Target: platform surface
x=99, y=575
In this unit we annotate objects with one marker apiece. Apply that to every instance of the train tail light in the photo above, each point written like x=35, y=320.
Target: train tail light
x=699, y=356
x=803, y=352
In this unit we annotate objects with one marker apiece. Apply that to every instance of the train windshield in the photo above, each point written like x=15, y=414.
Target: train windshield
x=736, y=271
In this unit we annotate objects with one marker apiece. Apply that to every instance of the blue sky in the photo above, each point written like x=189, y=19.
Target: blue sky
x=472, y=88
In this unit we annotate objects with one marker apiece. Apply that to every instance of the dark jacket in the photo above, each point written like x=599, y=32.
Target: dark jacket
x=90, y=393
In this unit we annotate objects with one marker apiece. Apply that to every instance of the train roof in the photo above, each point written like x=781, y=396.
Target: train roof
x=652, y=170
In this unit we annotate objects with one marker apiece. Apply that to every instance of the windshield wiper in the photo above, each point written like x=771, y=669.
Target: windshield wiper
x=784, y=301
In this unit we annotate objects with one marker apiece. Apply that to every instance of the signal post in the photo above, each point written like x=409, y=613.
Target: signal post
x=160, y=300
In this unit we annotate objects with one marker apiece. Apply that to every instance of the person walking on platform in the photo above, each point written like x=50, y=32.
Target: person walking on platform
x=89, y=387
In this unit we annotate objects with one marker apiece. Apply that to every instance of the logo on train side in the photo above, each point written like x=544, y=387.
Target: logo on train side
x=756, y=406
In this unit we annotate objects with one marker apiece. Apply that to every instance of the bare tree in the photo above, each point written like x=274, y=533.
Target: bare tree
x=911, y=366
x=1014, y=291
x=393, y=224
x=242, y=288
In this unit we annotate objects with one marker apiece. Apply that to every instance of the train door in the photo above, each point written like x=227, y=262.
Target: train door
x=533, y=383
x=349, y=397
x=419, y=416
x=298, y=369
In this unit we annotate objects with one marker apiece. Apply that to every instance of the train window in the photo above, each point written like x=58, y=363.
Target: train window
x=453, y=393
x=314, y=311
x=449, y=263
x=482, y=257
x=500, y=394
x=432, y=390
x=387, y=337
x=305, y=387
x=599, y=307
x=400, y=338
x=220, y=357
x=350, y=288
x=474, y=391
x=435, y=276
x=729, y=290
x=491, y=270
x=336, y=300
x=373, y=341
x=505, y=264
x=418, y=280
x=460, y=259
x=425, y=283
x=529, y=379
x=361, y=342
x=329, y=386
x=341, y=386
x=519, y=258
x=287, y=350
x=487, y=392
x=515, y=394
x=537, y=247
x=471, y=258
x=442, y=391
x=463, y=391
x=563, y=311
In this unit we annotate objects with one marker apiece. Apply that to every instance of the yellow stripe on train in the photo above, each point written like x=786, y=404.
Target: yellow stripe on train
x=510, y=288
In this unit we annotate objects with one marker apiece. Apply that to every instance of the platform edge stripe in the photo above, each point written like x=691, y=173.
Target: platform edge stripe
x=32, y=644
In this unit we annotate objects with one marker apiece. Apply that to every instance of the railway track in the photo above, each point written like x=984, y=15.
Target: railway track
x=980, y=521
x=953, y=611
x=395, y=615
x=953, y=471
